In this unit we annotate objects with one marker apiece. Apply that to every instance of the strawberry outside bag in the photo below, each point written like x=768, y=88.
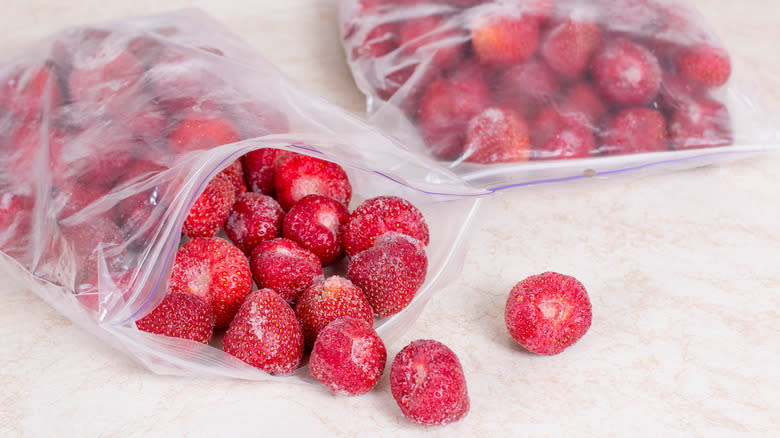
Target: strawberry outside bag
x=111, y=132
x=512, y=93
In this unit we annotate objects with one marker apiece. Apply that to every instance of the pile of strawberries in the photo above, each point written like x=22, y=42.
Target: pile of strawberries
x=492, y=81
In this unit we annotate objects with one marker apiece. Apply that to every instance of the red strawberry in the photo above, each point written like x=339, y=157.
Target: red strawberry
x=235, y=174
x=583, y=103
x=390, y=272
x=260, y=168
x=348, y=356
x=501, y=37
x=381, y=215
x=626, y=73
x=30, y=92
x=568, y=47
x=446, y=107
x=303, y=175
x=700, y=124
x=378, y=42
x=316, y=223
x=285, y=267
x=706, y=64
x=635, y=130
x=265, y=334
x=547, y=313
x=432, y=36
x=107, y=75
x=497, y=135
x=573, y=140
x=210, y=210
x=427, y=382
x=214, y=269
x=541, y=10
x=180, y=315
x=202, y=131
x=327, y=300
x=146, y=121
x=252, y=219
x=138, y=214
x=526, y=87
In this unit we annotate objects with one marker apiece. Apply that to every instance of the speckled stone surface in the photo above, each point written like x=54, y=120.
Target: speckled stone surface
x=682, y=270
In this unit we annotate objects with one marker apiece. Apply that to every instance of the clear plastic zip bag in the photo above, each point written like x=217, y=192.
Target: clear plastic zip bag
x=523, y=92
x=97, y=174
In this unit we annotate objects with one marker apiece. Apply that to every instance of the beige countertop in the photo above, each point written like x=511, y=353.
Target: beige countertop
x=682, y=269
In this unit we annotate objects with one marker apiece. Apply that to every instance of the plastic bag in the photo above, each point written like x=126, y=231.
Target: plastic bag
x=511, y=93
x=93, y=192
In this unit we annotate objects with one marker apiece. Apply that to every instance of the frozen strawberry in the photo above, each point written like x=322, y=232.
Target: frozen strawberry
x=303, y=175
x=390, y=273
x=700, y=124
x=212, y=268
x=428, y=384
x=706, y=64
x=348, y=356
x=327, y=300
x=92, y=242
x=526, y=87
x=378, y=42
x=635, y=130
x=235, y=174
x=381, y=215
x=285, y=267
x=202, y=131
x=180, y=315
x=626, y=73
x=574, y=140
x=317, y=223
x=252, y=219
x=108, y=76
x=30, y=92
x=260, y=168
x=582, y=102
x=547, y=313
x=446, y=107
x=432, y=36
x=265, y=334
x=256, y=119
x=210, y=210
x=500, y=36
x=497, y=135
x=569, y=46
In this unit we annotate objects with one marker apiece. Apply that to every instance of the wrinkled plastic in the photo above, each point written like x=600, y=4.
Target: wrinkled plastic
x=91, y=192
x=408, y=57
